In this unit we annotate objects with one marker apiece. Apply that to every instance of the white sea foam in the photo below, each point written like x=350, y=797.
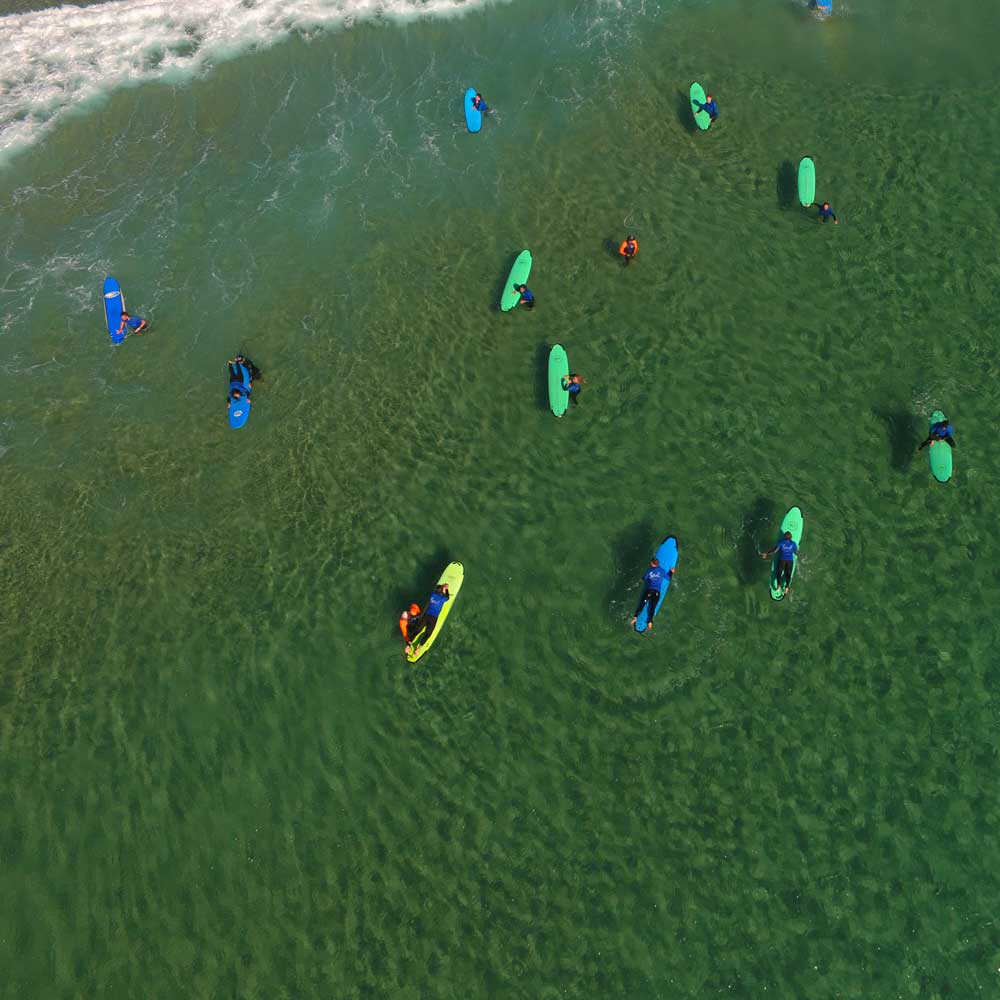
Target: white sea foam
x=53, y=61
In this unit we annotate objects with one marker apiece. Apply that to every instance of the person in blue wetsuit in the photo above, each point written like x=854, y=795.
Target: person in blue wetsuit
x=786, y=550
x=654, y=580
x=480, y=105
x=709, y=106
x=527, y=296
x=428, y=620
x=573, y=385
x=826, y=213
x=135, y=323
x=941, y=431
x=242, y=372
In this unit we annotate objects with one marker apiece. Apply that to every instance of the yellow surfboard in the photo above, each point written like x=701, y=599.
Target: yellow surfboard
x=453, y=575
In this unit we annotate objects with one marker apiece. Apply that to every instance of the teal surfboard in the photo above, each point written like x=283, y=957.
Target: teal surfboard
x=940, y=452
x=558, y=377
x=807, y=181
x=702, y=118
x=518, y=276
x=792, y=522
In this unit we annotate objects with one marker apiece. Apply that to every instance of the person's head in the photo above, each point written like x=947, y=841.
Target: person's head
x=788, y=536
x=826, y=205
x=654, y=562
x=479, y=96
x=440, y=588
x=414, y=610
x=237, y=394
x=125, y=315
x=708, y=98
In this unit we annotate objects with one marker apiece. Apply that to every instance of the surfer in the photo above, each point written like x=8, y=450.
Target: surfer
x=429, y=619
x=709, y=106
x=527, y=296
x=825, y=212
x=629, y=249
x=786, y=550
x=480, y=105
x=137, y=324
x=941, y=431
x=654, y=579
x=406, y=618
x=573, y=384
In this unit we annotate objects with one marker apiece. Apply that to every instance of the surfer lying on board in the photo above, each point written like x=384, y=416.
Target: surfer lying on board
x=527, y=296
x=709, y=106
x=408, y=619
x=573, y=384
x=786, y=550
x=629, y=249
x=941, y=431
x=136, y=323
x=654, y=579
x=429, y=619
x=825, y=212
x=480, y=105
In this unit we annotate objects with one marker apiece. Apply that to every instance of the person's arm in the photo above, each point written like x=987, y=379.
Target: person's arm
x=767, y=555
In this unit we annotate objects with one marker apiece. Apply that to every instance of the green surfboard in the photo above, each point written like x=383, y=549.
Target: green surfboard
x=453, y=575
x=792, y=522
x=807, y=181
x=702, y=118
x=940, y=453
x=518, y=276
x=558, y=377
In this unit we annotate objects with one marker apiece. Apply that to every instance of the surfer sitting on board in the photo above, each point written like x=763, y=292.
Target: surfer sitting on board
x=480, y=105
x=137, y=323
x=786, y=550
x=825, y=212
x=654, y=579
x=527, y=296
x=629, y=249
x=941, y=431
x=406, y=619
x=573, y=384
x=429, y=620
x=709, y=106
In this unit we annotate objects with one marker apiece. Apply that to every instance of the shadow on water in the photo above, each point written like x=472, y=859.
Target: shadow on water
x=760, y=528
x=611, y=249
x=632, y=550
x=542, y=376
x=904, y=435
x=787, y=185
x=684, y=115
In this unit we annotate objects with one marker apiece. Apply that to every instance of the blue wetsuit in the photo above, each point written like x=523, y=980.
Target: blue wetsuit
x=710, y=107
x=527, y=297
x=655, y=578
x=786, y=549
x=941, y=431
x=430, y=616
x=826, y=213
x=481, y=106
x=573, y=388
x=239, y=378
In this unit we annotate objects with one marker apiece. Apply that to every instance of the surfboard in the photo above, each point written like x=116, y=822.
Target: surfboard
x=823, y=6
x=702, y=118
x=239, y=410
x=807, y=182
x=558, y=376
x=453, y=575
x=518, y=276
x=473, y=117
x=667, y=554
x=792, y=522
x=114, y=306
x=940, y=452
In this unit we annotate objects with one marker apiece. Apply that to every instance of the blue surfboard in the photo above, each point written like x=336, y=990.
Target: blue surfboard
x=473, y=118
x=823, y=6
x=667, y=554
x=114, y=306
x=239, y=409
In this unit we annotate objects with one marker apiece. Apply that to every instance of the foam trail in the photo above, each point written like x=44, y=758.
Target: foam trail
x=55, y=60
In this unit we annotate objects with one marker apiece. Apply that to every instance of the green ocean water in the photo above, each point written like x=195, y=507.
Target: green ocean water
x=221, y=776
